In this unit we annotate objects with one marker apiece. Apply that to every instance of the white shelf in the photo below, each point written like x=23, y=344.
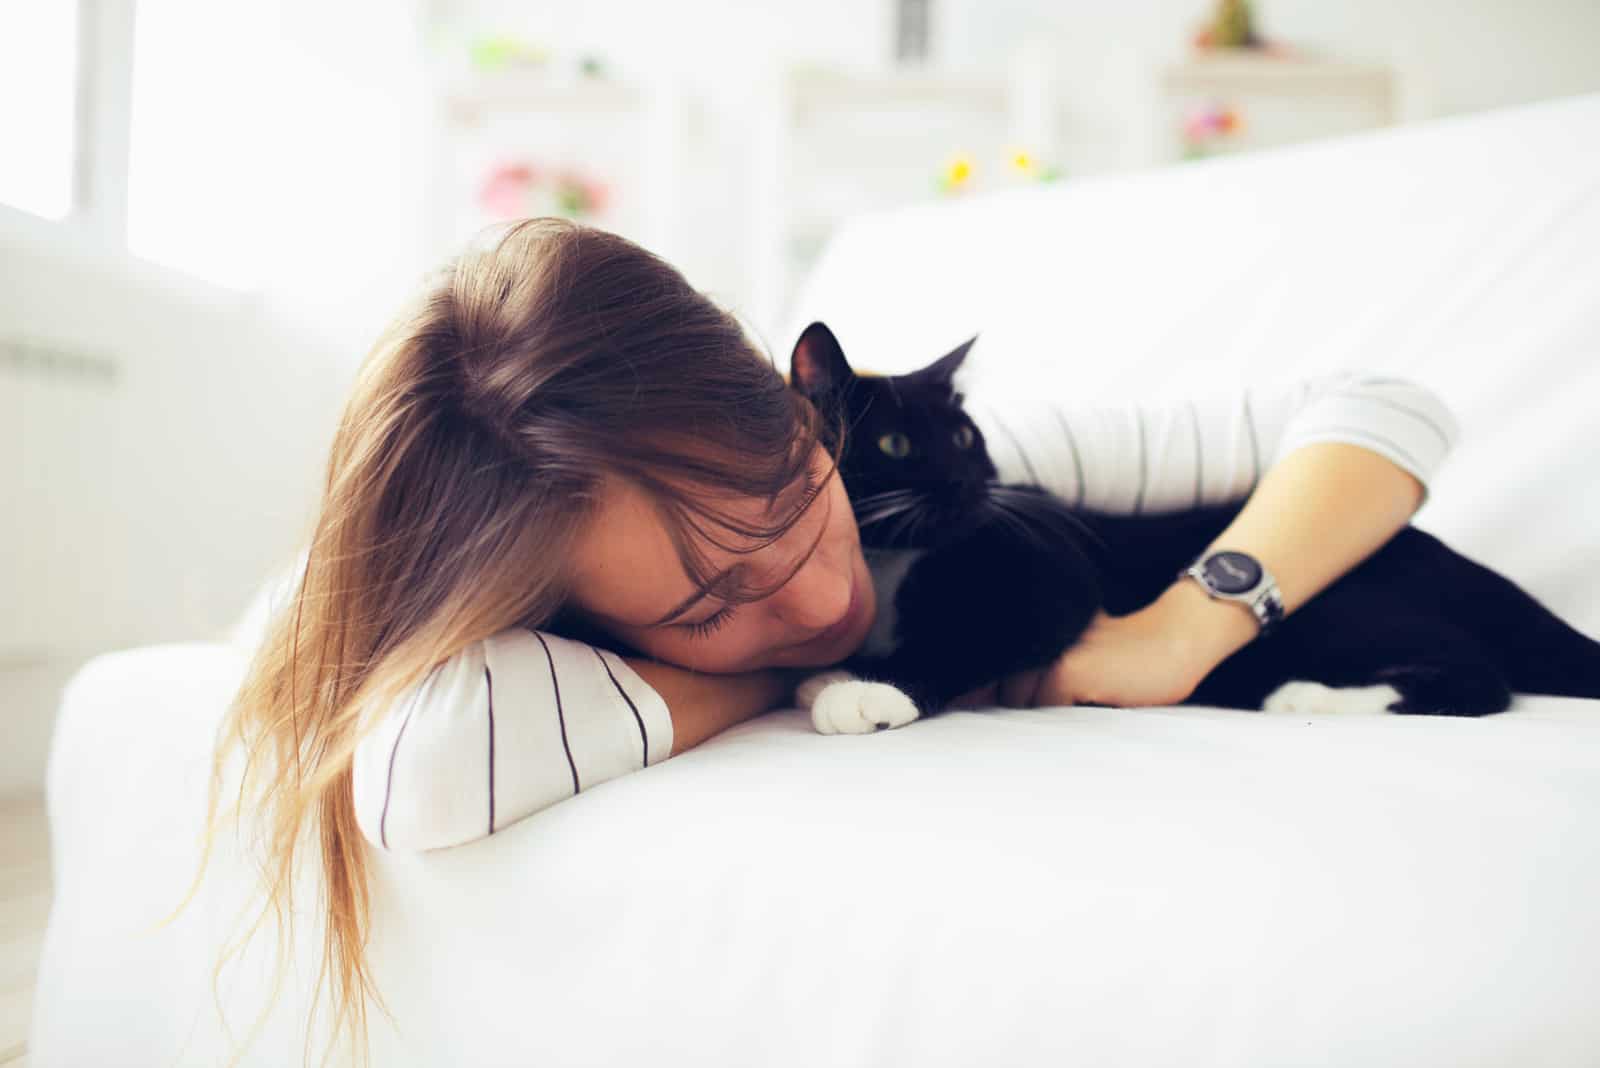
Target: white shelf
x=514, y=91
x=1281, y=99
x=1227, y=72
x=846, y=90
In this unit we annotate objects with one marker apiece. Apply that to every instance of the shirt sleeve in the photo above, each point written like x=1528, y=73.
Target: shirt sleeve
x=1210, y=449
x=508, y=726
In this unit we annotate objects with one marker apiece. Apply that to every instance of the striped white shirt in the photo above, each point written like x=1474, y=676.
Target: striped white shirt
x=524, y=719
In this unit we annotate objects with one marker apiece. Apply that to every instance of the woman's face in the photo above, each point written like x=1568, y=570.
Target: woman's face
x=631, y=583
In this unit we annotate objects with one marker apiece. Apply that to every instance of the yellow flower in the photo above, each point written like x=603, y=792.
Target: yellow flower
x=959, y=170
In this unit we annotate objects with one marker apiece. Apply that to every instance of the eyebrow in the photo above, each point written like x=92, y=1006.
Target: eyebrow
x=733, y=577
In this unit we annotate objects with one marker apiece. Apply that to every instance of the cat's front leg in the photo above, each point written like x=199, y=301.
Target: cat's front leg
x=842, y=703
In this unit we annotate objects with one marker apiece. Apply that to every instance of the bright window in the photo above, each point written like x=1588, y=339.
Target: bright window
x=198, y=198
x=38, y=100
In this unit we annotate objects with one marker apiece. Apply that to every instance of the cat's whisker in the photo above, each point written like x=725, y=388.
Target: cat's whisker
x=912, y=521
x=902, y=521
x=1038, y=509
x=878, y=506
x=882, y=521
x=1013, y=522
x=881, y=513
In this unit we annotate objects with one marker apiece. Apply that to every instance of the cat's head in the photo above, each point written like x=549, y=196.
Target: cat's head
x=914, y=465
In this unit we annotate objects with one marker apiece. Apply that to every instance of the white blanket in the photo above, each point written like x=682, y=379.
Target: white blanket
x=1086, y=886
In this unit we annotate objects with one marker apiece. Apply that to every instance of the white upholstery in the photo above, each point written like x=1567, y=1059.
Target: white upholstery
x=1089, y=886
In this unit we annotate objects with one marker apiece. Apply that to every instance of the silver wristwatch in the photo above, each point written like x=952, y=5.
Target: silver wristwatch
x=1229, y=575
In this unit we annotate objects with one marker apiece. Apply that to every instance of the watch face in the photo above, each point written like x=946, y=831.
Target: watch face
x=1230, y=572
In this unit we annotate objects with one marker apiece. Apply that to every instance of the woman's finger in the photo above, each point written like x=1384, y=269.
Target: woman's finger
x=982, y=697
x=1016, y=691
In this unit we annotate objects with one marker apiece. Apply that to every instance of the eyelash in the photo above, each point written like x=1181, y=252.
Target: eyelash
x=712, y=622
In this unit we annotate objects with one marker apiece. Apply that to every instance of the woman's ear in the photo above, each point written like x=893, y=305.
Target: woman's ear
x=818, y=367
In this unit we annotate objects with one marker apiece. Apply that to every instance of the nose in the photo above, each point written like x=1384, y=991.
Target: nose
x=817, y=596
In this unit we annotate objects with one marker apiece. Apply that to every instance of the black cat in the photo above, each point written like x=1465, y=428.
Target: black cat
x=984, y=580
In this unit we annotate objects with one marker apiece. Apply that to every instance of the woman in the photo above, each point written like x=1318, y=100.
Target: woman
x=562, y=440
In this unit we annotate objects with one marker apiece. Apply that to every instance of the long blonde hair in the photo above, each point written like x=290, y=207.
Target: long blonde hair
x=466, y=462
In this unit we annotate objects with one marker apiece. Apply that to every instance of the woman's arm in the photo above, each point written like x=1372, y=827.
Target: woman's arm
x=518, y=722
x=705, y=705
x=1332, y=468
x=1209, y=449
x=1316, y=514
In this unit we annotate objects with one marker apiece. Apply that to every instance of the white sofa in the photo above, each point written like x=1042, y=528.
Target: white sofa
x=1089, y=886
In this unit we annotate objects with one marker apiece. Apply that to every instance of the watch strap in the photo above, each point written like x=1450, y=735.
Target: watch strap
x=1268, y=606
x=1264, y=600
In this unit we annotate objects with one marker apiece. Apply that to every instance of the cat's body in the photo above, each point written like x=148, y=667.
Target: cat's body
x=994, y=579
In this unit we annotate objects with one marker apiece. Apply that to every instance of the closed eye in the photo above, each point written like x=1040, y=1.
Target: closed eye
x=710, y=624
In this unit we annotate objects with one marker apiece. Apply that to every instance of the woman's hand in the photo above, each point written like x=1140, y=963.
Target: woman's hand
x=1155, y=656
x=1118, y=660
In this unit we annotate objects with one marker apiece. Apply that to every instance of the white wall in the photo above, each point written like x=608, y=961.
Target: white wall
x=143, y=499
x=1452, y=57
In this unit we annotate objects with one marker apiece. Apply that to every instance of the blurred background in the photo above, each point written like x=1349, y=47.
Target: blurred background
x=208, y=210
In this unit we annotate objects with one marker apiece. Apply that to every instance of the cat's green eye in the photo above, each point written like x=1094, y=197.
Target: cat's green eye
x=964, y=437
x=896, y=445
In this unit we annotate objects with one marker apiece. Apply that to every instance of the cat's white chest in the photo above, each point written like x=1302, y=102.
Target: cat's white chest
x=888, y=568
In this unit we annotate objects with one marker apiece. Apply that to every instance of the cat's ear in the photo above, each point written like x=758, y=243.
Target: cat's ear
x=943, y=370
x=817, y=365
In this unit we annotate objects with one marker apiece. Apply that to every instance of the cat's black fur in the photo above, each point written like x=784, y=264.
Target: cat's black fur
x=1009, y=576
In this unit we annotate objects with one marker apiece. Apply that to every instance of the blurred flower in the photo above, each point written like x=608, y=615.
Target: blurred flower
x=504, y=193
x=957, y=173
x=576, y=194
x=517, y=188
x=1206, y=126
x=499, y=51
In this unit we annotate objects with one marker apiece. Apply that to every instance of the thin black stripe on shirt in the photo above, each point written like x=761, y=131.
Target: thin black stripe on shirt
x=488, y=681
x=1397, y=406
x=1018, y=445
x=1199, y=454
x=1144, y=463
x=561, y=714
x=1255, y=446
x=644, y=739
x=1077, y=460
x=388, y=785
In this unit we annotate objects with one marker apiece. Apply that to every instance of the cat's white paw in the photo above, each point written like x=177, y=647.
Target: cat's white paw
x=840, y=703
x=1315, y=699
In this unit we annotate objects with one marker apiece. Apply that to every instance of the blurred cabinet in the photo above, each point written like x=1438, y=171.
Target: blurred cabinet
x=1278, y=100
x=626, y=138
x=741, y=194
x=835, y=144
